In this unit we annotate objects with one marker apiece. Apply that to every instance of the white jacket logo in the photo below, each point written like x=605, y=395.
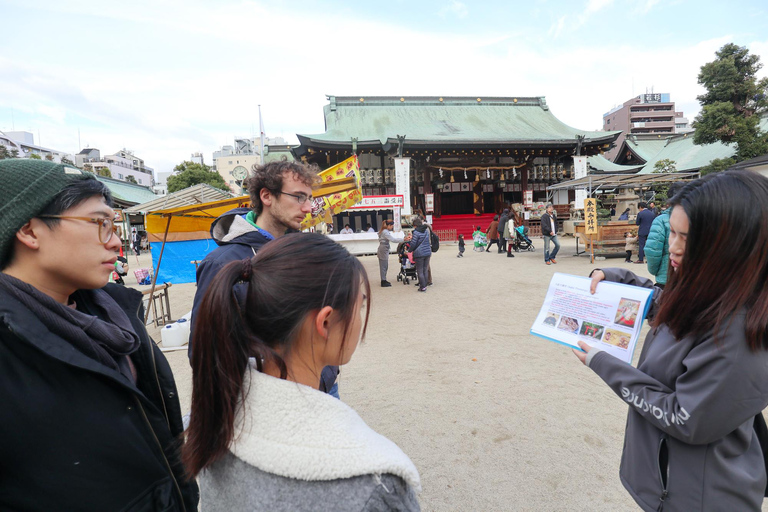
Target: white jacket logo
x=670, y=419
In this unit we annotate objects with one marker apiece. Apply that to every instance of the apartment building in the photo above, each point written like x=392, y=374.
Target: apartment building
x=121, y=165
x=22, y=144
x=647, y=114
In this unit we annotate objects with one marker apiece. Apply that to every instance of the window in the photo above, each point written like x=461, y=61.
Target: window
x=119, y=176
x=230, y=162
x=139, y=180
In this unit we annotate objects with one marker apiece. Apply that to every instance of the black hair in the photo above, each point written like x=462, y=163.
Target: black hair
x=642, y=205
x=69, y=197
x=727, y=242
x=287, y=280
x=72, y=195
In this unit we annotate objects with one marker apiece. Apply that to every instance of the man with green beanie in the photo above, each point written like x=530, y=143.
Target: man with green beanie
x=90, y=417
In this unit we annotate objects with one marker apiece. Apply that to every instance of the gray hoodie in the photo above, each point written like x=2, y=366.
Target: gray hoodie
x=689, y=441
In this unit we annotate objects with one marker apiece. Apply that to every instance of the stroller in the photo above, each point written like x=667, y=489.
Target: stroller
x=521, y=241
x=407, y=267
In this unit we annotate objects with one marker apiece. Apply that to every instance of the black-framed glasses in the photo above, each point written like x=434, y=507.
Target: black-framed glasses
x=107, y=227
x=300, y=198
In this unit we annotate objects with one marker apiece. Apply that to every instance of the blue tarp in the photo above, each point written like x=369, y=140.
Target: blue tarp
x=176, y=267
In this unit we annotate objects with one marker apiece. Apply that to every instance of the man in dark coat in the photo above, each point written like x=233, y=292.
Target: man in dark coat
x=281, y=197
x=90, y=417
x=644, y=220
x=503, y=222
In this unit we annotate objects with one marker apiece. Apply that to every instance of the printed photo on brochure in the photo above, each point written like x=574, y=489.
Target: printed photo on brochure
x=611, y=318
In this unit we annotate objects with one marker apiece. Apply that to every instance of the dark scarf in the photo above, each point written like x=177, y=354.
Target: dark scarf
x=109, y=343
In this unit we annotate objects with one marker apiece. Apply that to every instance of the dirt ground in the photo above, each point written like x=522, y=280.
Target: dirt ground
x=493, y=417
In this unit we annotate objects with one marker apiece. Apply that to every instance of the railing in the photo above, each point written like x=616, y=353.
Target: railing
x=159, y=300
x=446, y=235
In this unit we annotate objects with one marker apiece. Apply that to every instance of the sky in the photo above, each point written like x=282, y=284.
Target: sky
x=167, y=78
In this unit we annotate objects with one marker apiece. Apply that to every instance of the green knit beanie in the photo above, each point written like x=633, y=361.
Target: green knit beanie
x=26, y=188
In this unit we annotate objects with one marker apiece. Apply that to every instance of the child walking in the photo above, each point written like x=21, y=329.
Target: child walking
x=461, y=247
x=631, y=244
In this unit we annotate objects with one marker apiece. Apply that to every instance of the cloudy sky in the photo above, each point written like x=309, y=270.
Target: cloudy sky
x=167, y=78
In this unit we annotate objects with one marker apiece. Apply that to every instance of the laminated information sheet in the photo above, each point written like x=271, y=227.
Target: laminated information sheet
x=610, y=319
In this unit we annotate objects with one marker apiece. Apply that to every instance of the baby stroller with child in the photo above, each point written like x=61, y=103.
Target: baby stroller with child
x=407, y=266
x=521, y=241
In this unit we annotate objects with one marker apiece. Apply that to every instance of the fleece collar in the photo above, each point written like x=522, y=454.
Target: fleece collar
x=294, y=431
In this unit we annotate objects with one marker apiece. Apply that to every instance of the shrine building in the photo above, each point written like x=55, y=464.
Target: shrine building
x=474, y=154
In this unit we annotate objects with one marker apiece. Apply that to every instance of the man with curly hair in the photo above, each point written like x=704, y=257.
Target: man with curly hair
x=281, y=197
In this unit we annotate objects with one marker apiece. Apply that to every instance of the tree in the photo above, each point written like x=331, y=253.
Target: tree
x=67, y=161
x=717, y=165
x=131, y=179
x=733, y=103
x=665, y=165
x=34, y=157
x=49, y=157
x=5, y=153
x=188, y=174
x=103, y=171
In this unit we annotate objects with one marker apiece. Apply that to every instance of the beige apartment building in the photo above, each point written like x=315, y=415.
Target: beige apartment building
x=647, y=114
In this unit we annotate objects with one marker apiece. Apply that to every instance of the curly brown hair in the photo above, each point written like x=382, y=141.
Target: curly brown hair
x=270, y=176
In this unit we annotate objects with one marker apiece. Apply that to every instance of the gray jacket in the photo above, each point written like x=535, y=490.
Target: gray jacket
x=689, y=441
x=299, y=449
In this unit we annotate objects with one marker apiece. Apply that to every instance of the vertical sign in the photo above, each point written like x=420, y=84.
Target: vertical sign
x=429, y=202
x=528, y=198
x=580, y=171
x=590, y=216
x=590, y=224
x=403, y=182
x=396, y=218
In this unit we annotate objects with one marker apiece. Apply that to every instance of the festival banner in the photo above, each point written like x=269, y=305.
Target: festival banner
x=324, y=207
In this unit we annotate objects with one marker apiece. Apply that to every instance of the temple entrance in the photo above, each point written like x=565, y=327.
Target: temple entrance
x=488, y=202
x=456, y=203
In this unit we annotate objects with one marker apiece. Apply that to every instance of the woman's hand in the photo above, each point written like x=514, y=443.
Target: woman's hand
x=597, y=276
x=582, y=355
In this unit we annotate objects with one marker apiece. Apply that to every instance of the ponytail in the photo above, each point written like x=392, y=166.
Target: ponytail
x=255, y=309
x=223, y=343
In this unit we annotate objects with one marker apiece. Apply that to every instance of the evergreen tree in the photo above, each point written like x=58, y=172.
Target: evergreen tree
x=733, y=103
x=187, y=174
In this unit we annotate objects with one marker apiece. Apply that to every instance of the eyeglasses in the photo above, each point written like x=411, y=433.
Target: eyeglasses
x=107, y=227
x=300, y=198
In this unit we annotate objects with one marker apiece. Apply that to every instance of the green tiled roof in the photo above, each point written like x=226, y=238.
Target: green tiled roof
x=127, y=192
x=452, y=120
x=688, y=157
x=601, y=164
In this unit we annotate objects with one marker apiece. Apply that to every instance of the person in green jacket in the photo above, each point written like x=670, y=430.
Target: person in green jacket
x=657, y=246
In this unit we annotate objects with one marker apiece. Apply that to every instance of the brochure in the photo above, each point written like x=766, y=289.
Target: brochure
x=610, y=319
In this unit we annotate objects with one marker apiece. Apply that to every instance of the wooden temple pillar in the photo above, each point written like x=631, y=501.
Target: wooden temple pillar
x=477, y=196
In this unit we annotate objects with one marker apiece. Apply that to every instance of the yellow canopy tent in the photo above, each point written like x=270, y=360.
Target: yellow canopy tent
x=186, y=229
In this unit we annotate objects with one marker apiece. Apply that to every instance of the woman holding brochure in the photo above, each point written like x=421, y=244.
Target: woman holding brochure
x=696, y=396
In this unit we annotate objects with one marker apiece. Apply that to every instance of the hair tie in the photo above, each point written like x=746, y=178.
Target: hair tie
x=245, y=274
